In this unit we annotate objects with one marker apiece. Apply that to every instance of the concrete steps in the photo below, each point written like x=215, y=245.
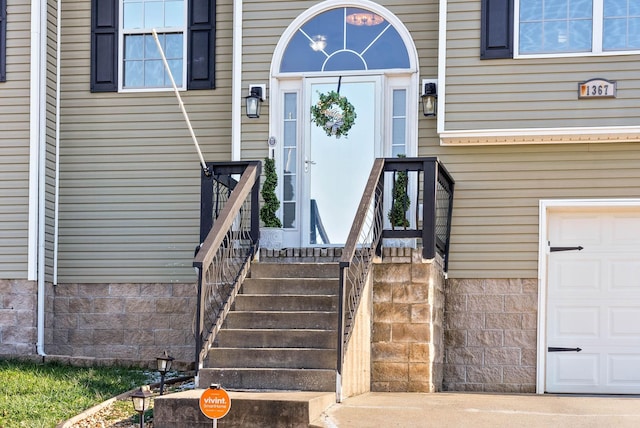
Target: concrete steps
x=275, y=354
x=281, y=334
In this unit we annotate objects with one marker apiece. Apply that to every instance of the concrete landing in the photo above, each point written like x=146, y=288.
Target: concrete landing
x=248, y=409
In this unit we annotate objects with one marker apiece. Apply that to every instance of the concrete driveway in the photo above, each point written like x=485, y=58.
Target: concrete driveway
x=475, y=410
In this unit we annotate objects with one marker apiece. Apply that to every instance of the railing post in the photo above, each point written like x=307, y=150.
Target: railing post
x=430, y=179
x=206, y=205
x=255, y=208
x=199, y=322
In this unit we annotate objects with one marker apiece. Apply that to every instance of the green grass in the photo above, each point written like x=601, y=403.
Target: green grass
x=42, y=395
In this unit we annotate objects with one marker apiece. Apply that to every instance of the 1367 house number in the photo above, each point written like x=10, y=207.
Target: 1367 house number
x=597, y=88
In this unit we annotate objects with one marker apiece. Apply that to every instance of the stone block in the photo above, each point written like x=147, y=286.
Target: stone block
x=382, y=292
x=156, y=290
x=390, y=372
x=19, y=334
x=171, y=305
x=422, y=272
x=420, y=313
x=455, y=338
x=503, y=321
x=108, y=337
x=108, y=305
x=467, y=356
x=184, y=290
x=523, y=303
x=503, y=286
x=390, y=352
x=26, y=302
x=464, y=320
x=525, y=339
x=391, y=312
x=419, y=353
x=466, y=286
x=415, y=386
x=381, y=332
x=141, y=305
x=484, y=374
x=529, y=357
x=177, y=337
x=93, y=290
x=530, y=286
x=60, y=305
x=122, y=290
x=530, y=321
x=410, y=293
x=486, y=303
x=410, y=332
x=103, y=321
x=502, y=356
x=80, y=337
x=8, y=317
x=139, y=338
x=520, y=375
x=65, y=290
x=80, y=305
x=419, y=372
x=485, y=338
x=392, y=273
x=455, y=303
x=66, y=321
x=455, y=373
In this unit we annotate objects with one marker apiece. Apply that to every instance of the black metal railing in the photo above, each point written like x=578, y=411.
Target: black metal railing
x=431, y=187
x=229, y=232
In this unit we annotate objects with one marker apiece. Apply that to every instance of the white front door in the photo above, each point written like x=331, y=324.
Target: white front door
x=335, y=170
x=593, y=301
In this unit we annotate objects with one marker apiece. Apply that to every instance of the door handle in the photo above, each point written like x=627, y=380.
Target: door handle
x=308, y=162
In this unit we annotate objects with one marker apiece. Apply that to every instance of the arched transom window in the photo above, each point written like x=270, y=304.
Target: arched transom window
x=345, y=39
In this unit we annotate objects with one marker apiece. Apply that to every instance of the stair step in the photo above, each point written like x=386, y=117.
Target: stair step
x=270, y=302
x=282, y=319
x=295, y=358
x=277, y=338
x=294, y=270
x=290, y=286
x=248, y=409
x=270, y=379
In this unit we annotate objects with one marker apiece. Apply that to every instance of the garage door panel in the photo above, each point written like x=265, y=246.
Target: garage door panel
x=624, y=369
x=574, y=369
x=625, y=230
x=625, y=273
x=577, y=229
x=572, y=275
x=574, y=323
x=624, y=324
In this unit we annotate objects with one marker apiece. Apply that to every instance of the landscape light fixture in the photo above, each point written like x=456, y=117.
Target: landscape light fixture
x=253, y=101
x=164, y=365
x=430, y=99
x=141, y=400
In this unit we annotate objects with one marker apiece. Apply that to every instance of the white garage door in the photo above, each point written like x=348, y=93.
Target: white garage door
x=593, y=301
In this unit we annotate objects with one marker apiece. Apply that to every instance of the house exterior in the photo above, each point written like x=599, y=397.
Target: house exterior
x=537, y=122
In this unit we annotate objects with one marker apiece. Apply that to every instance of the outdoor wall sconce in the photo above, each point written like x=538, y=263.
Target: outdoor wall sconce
x=254, y=100
x=164, y=365
x=141, y=400
x=429, y=98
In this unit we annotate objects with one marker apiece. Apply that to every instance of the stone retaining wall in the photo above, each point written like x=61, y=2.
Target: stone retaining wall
x=129, y=322
x=490, y=335
x=18, y=316
x=407, y=339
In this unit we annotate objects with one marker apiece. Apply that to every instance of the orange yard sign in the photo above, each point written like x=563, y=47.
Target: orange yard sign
x=215, y=403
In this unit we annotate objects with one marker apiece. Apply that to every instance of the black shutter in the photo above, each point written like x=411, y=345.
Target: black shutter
x=496, y=29
x=104, y=45
x=201, y=44
x=3, y=40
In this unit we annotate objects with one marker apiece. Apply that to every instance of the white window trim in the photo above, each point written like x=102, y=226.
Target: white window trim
x=182, y=86
x=546, y=206
x=596, y=42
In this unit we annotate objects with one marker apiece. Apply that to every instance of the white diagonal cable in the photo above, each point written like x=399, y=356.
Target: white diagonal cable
x=184, y=112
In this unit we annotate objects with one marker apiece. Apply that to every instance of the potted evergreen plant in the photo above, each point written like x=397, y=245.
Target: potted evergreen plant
x=271, y=232
x=397, y=215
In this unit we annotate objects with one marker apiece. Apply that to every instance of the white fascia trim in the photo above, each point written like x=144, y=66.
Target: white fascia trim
x=617, y=134
x=547, y=205
x=442, y=66
x=236, y=83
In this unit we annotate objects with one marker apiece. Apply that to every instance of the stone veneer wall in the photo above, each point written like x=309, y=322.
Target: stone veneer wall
x=490, y=335
x=18, y=317
x=123, y=323
x=407, y=339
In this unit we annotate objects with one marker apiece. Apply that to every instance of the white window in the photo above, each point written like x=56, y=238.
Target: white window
x=142, y=65
x=577, y=26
